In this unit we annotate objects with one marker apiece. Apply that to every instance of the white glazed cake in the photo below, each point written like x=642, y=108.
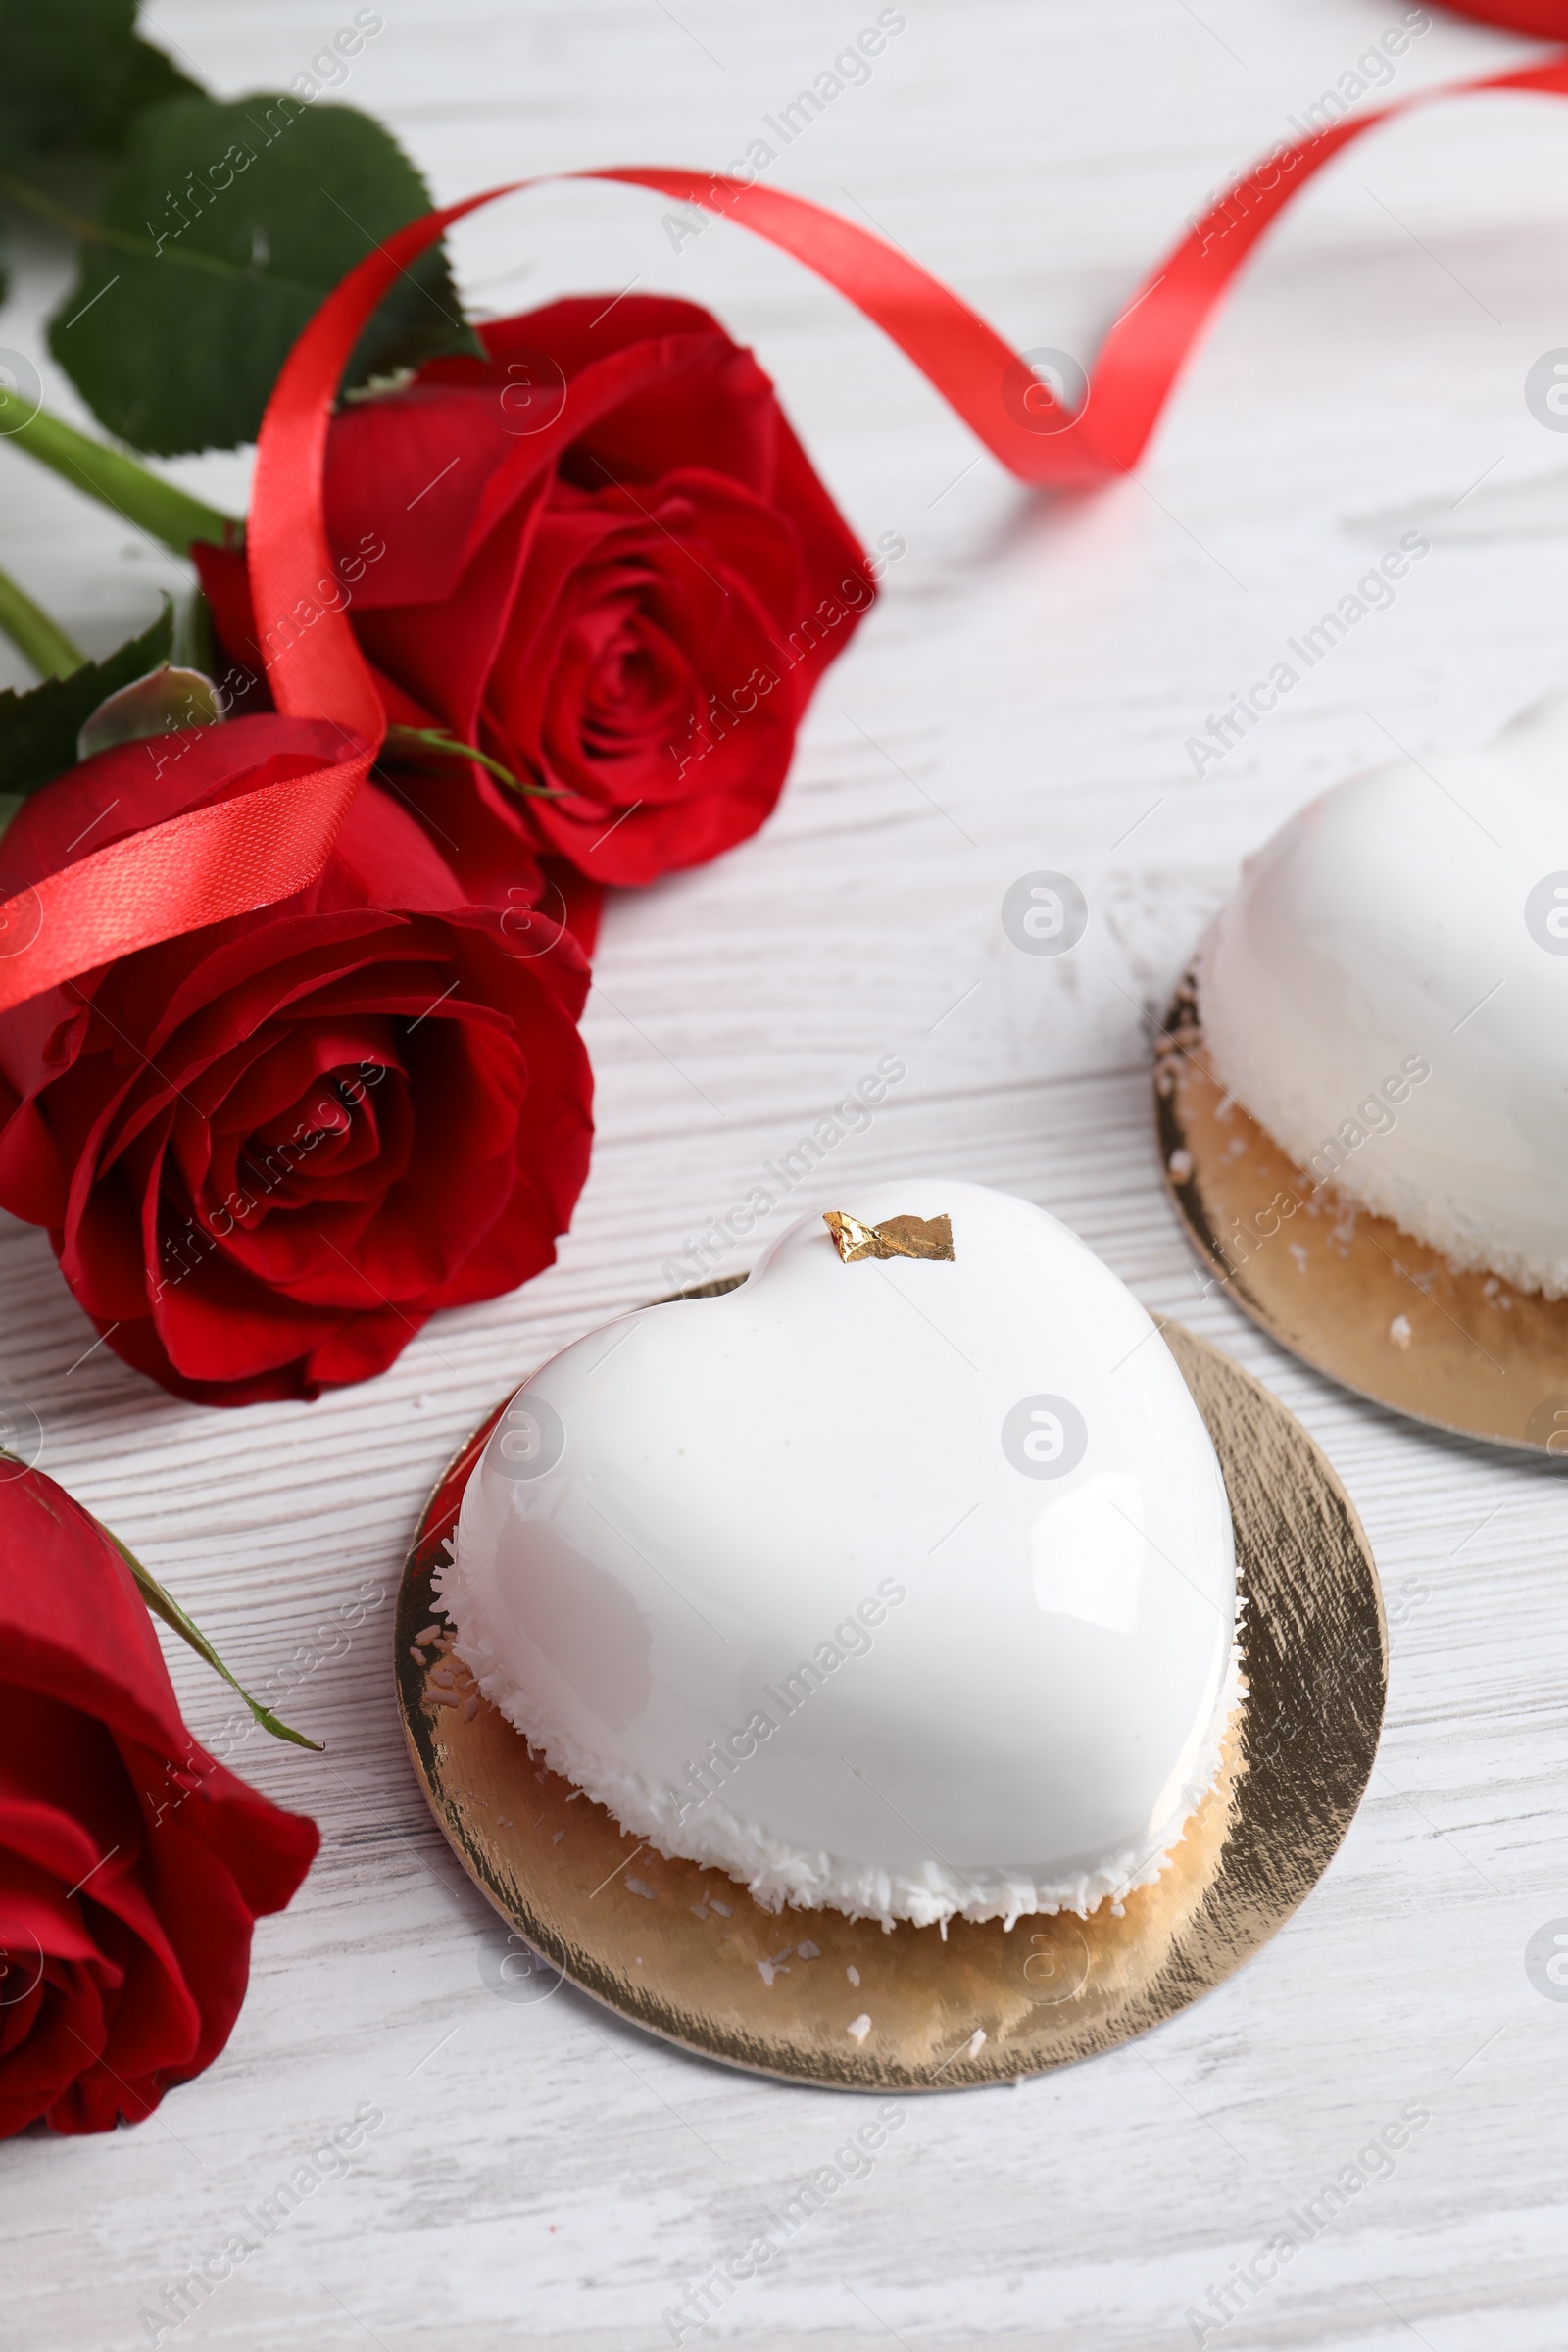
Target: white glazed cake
x=901, y=1587
x=1387, y=994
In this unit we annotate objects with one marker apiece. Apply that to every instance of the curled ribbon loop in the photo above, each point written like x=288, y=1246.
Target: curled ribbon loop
x=229, y=858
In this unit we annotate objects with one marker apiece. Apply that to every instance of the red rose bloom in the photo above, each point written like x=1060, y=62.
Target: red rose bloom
x=602, y=557
x=132, y=1865
x=266, y=1151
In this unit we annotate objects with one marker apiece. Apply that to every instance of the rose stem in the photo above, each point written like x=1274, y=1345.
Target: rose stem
x=116, y=480
x=32, y=632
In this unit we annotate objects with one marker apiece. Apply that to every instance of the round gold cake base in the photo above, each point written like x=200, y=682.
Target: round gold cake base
x=1348, y=1292
x=816, y=1997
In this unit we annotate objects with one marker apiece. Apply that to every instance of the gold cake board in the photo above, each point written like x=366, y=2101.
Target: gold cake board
x=686, y=1952
x=1350, y=1293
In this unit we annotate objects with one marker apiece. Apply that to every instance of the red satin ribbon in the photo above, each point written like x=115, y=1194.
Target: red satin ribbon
x=227, y=860
x=1541, y=20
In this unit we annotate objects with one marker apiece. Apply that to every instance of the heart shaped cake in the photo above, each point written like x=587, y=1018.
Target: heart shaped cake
x=1387, y=994
x=899, y=1580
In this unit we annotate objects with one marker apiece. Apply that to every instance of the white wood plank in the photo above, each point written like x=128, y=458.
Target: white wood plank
x=548, y=2176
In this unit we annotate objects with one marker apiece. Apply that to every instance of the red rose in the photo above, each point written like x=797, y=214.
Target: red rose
x=133, y=1864
x=267, y=1151
x=603, y=558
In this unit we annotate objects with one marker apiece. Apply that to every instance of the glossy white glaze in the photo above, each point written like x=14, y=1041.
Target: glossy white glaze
x=1409, y=921
x=787, y=1602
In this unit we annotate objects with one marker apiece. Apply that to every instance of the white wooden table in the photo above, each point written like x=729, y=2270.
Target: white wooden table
x=1021, y=698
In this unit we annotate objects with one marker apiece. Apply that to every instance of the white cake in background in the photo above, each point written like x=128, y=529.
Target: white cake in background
x=901, y=1587
x=1387, y=994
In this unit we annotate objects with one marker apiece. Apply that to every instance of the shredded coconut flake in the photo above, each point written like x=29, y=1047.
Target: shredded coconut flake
x=775, y=1873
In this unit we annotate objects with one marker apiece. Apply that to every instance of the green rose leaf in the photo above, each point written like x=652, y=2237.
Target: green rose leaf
x=75, y=75
x=220, y=232
x=39, y=729
x=164, y=1605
